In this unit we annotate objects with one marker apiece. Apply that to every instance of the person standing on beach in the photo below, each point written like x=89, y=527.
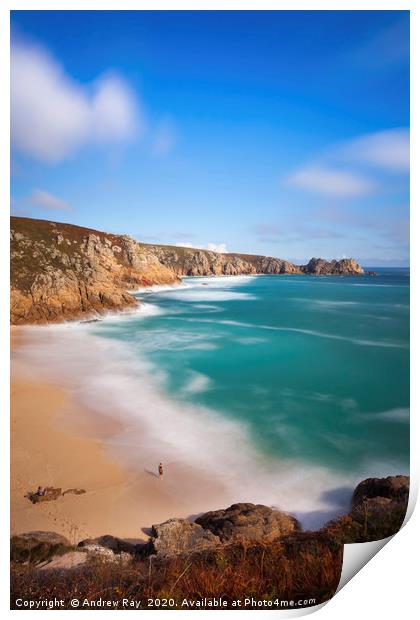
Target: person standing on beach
x=160, y=469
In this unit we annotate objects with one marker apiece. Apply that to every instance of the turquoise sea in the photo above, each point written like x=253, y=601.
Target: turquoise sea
x=315, y=368
x=286, y=389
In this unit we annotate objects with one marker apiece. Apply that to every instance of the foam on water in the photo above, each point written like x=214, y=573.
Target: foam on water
x=208, y=307
x=326, y=302
x=158, y=288
x=106, y=377
x=307, y=332
x=288, y=421
x=209, y=295
x=196, y=382
x=394, y=415
x=219, y=281
x=210, y=288
x=179, y=340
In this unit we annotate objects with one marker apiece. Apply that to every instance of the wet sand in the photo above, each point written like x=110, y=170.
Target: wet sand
x=55, y=442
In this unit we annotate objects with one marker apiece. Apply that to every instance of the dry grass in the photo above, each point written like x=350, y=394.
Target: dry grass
x=304, y=566
x=368, y=526
x=300, y=567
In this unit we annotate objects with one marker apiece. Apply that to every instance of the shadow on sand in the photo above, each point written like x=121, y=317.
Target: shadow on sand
x=151, y=473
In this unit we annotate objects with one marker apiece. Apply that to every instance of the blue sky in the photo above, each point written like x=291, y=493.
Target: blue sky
x=279, y=133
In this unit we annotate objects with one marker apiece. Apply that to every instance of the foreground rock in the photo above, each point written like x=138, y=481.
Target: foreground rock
x=111, y=543
x=50, y=550
x=379, y=507
x=248, y=522
x=38, y=546
x=180, y=536
x=60, y=271
x=300, y=566
x=378, y=511
x=396, y=488
x=68, y=561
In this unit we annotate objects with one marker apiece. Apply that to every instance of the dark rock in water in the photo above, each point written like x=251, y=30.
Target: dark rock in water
x=248, y=522
x=37, y=546
x=180, y=536
x=49, y=494
x=393, y=487
x=117, y=545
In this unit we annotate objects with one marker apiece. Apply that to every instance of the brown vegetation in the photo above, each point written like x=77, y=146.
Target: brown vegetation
x=302, y=567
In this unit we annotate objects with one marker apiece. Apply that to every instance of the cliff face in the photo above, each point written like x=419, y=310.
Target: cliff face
x=345, y=266
x=195, y=262
x=60, y=271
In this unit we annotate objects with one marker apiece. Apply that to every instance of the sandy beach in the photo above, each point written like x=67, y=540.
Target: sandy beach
x=54, y=442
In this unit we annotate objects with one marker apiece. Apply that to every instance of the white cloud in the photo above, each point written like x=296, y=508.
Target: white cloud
x=345, y=170
x=217, y=247
x=52, y=115
x=212, y=247
x=165, y=138
x=44, y=200
x=388, y=149
x=330, y=181
x=187, y=244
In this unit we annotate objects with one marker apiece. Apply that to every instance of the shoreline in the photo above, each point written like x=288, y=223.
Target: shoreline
x=88, y=443
x=55, y=441
x=104, y=419
x=93, y=315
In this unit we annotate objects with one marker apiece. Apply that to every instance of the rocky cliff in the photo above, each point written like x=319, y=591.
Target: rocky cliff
x=60, y=271
x=343, y=267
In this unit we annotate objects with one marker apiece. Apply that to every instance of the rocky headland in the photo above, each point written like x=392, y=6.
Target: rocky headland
x=61, y=271
x=243, y=551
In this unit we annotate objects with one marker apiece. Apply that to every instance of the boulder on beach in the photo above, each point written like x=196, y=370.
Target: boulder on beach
x=180, y=536
x=102, y=554
x=378, y=511
x=37, y=546
x=114, y=544
x=72, y=560
x=393, y=487
x=380, y=505
x=50, y=494
x=252, y=522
